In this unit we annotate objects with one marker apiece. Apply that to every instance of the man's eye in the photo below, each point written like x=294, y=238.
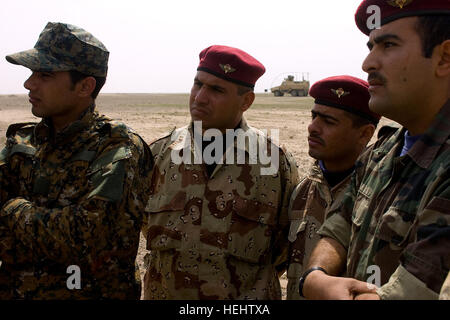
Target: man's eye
x=389, y=44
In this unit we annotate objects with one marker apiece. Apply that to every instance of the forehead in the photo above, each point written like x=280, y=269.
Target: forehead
x=403, y=28
x=211, y=80
x=331, y=111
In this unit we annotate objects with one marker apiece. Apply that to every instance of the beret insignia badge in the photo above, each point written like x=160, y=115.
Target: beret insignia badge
x=227, y=68
x=399, y=3
x=340, y=92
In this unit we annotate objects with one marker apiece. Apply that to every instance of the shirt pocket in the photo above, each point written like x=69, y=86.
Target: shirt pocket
x=106, y=174
x=395, y=227
x=360, y=210
x=21, y=161
x=251, y=230
x=166, y=222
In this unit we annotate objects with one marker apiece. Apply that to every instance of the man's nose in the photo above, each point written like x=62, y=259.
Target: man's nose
x=314, y=126
x=30, y=83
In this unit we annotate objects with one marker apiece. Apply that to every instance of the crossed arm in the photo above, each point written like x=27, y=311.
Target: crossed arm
x=331, y=256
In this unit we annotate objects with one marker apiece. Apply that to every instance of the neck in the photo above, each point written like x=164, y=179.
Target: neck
x=420, y=123
x=224, y=130
x=339, y=166
x=60, y=122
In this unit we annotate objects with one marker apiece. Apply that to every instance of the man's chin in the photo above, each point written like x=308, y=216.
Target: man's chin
x=313, y=154
x=378, y=105
x=37, y=113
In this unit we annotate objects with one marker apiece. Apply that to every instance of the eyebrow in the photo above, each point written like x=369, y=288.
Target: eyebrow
x=323, y=115
x=382, y=38
x=213, y=86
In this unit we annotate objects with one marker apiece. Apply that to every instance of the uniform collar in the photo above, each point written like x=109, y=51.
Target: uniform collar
x=43, y=131
x=316, y=174
x=181, y=141
x=425, y=150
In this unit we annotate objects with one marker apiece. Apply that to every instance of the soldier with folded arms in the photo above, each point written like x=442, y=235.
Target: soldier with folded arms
x=73, y=186
x=392, y=226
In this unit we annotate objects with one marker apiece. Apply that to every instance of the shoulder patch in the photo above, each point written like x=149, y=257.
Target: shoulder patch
x=165, y=135
x=119, y=129
x=13, y=128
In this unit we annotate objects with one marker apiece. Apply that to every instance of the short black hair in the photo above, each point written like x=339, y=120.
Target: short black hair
x=433, y=30
x=243, y=89
x=76, y=76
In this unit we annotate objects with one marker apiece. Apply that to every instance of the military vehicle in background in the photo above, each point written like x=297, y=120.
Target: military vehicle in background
x=294, y=88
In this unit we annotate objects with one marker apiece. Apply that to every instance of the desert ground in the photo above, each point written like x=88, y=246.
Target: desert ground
x=153, y=115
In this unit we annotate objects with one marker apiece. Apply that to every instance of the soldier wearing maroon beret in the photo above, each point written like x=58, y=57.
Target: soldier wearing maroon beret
x=217, y=229
x=341, y=126
x=391, y=228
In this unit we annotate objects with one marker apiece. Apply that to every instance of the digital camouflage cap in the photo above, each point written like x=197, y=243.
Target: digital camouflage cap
x=65, y=47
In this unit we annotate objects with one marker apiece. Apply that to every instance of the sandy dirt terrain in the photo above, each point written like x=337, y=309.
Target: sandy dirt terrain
x=153, y=115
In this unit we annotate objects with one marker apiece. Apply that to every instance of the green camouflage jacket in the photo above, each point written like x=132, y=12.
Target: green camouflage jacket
x=73, y=199
x=394, y=219
x=307, y=208
x=220, y=237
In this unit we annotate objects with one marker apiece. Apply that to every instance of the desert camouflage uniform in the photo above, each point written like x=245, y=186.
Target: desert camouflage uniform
x=72, y=199
x=396, y=216
x=445, y=292
x=309, y=202
x=220, y=237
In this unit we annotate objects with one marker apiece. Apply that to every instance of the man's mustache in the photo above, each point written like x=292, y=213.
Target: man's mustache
x=376, y=78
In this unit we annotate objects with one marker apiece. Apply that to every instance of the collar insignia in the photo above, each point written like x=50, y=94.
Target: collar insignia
x=399, y=3
x=340, y=92
x=227, y=68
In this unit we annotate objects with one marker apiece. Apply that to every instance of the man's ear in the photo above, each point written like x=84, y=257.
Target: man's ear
x=443, y=67
x=86, y=86
x=367, y=132
x=249, y=97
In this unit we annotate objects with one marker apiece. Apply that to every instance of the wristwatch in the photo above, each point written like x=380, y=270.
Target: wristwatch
x=303, y=278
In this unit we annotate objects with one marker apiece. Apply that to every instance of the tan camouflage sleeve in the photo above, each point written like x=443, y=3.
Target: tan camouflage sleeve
x=445, y=291
x=425, y=262
x=338, y=224
x=290, y=179
x=107, y=214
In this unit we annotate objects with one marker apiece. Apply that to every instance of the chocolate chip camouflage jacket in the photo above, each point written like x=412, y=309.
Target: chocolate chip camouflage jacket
x=309, y=202
x=445, y=292
x=394, y=219
x=75, y=199
x=217, y=237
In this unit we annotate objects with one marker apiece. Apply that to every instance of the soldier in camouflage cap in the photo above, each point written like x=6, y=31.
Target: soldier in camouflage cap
x=72, y=186
x=218, y=230
x=391, y=227
x=64, y=47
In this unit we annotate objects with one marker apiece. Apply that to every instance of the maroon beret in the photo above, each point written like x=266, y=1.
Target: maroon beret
x=231, y=64
x=347, y=93
x=395, y=9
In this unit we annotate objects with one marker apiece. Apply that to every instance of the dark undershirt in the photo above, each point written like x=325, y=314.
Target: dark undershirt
x=210, y=167
x=334, y=178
